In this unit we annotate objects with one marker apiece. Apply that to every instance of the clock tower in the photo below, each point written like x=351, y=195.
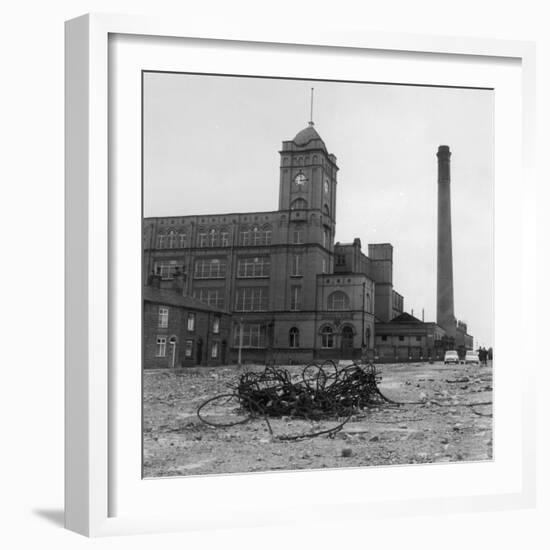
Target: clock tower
x=308, y=175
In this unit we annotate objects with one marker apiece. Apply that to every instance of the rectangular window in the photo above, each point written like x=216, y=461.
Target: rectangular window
x=216, y=325
x=401, y=338
x=203, y=239
x=418, y=338
x=214, y=297
x=182, y=240
x=297, y=235
x=210, y=269
x=224, y=238
x=324, y=266
x=215, y=347
x=326, y=238
x=188, y=348
x=253, y=335
x=191, y=322
x=161, y=241
x=252, y=299
x=161, y=346
x=296, y=267
x=254, y=267
x=295, y=298
x=384, y=338
x=163, y=317
x=168, y=269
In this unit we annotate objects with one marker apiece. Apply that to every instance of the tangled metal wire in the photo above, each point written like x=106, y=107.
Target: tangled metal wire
x=320, y=392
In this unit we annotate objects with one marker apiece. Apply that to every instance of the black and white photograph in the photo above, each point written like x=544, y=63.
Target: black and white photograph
x=318, y=274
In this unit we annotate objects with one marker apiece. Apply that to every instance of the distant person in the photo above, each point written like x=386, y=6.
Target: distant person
x=483, y=356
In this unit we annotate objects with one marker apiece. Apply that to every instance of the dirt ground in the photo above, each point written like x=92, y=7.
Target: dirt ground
x=447, y=426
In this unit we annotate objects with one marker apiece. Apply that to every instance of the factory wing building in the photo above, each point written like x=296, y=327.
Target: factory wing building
x=291, y=292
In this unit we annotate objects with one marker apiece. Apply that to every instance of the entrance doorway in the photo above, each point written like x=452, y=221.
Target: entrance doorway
x=347, y=343
x=199, y=351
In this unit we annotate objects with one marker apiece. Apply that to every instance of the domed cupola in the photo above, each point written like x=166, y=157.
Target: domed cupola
x=305, y=136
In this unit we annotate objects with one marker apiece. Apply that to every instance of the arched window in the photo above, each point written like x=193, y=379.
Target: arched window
x=294, y=338
x=338, y=301
x=327, y=337
x=172, y=239
x=212, y=237
x=298, y=204
x=369, y=303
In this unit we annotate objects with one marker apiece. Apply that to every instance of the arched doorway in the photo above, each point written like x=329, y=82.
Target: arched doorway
x=346, y=344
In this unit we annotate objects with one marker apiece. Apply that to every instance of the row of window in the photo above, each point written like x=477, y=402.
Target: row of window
x=254, y=335
x=162, y=342
x=401, y=338
x=256, y=299
x=248, y=236
x=163, y=314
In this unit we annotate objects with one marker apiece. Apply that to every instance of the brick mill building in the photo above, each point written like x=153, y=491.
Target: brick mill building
x=293, y=293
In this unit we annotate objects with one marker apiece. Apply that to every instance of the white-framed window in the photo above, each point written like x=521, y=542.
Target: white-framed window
x=161, y=346
x=326, y=238
x=338, y=301
x=327, y=337
x=294, y=338
x=190, y=322
x=216, y=325
x=167, y=269
x=256, y=236
x=253, y=335
x=163, y=317
x=296, y=265
x=172, y=239
x=203, y=239
x=252, y=299
x=295, y=298
x=214, y=297
x=215, y=350
x=213, y=268
x=188, y=348
x=182, y=240
x=161, y=240
x=212, y=238
x=259, y=266
x=324, y=266
x=224, y=238
x=298, y=235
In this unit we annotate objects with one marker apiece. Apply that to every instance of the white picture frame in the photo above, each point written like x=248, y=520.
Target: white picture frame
x=92, y=388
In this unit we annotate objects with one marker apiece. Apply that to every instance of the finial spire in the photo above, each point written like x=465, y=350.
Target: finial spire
x=311, y=123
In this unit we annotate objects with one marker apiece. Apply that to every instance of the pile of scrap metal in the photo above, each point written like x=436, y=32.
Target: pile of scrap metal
x=320, y=392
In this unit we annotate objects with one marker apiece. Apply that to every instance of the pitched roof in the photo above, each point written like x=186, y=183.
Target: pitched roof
x=170, y=298
x=406, y=318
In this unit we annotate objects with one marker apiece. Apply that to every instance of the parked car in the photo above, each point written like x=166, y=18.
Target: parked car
x=451, y=356
x=471, y=357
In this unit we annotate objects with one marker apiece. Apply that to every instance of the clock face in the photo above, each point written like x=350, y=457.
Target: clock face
x=326, y=187
x=300, y=180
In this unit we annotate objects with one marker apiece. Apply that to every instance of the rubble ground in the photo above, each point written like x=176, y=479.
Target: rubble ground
x=446, y=426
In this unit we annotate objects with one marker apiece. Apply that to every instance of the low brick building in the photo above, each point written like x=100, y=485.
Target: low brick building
x=406, y=338
x=180, y=331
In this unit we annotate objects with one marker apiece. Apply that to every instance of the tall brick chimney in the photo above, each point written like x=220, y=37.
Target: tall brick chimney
x=445, y=293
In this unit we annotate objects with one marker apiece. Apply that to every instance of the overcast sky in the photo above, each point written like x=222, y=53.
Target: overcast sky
x=211, y=146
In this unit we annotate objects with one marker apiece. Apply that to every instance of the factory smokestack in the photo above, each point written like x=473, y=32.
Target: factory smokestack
x=445, y=294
